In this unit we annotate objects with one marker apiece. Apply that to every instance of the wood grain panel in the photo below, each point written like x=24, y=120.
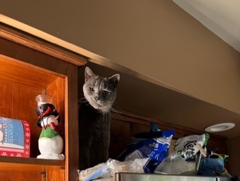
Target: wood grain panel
x=33, y=59
x=120, y=137
x=26, y=172
x=24, y=106
x=8, y=167
x=217, y=144
x=15, y=71
x=57, y=90
x=181, y=130
x=129, y=125
x=21, y=172
x=71, y=126
x=23, y=176
x=234, y=159
x=6, y=98
x=138, y=128
x=35, y=43
x=7, y=162
x=55, y=174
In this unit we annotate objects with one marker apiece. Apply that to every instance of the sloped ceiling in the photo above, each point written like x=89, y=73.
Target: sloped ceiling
x=222, y=17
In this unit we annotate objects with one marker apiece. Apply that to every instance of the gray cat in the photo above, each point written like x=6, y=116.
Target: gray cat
x=95, y=117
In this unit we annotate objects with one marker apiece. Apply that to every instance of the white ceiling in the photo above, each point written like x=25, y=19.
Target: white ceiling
x=222, y=17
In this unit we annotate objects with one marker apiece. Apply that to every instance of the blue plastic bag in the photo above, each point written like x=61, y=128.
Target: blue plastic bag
x=156, y=149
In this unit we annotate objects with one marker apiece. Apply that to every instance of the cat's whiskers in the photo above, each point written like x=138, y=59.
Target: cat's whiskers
x=116, y=112
x=82, y=100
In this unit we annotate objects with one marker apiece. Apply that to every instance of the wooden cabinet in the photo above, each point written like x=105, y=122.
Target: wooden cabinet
x=28, y=67
x=124, y=125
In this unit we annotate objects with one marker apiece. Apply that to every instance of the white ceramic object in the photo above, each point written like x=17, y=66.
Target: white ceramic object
x=220, y=127
x=50, y=143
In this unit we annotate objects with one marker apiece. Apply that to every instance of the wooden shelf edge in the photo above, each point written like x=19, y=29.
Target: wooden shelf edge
x=41, y=45
x=31, y=161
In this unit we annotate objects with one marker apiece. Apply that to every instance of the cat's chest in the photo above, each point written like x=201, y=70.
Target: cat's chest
x=92, y=118
x=95, y=127
x=98, y=123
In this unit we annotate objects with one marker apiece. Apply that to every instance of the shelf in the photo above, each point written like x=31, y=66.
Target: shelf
x=29, y=68
x=31, y=161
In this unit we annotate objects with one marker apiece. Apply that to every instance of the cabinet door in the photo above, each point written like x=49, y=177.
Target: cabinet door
x=31, y=172
x=23, y=176
x=30, y=66
x=120, y=137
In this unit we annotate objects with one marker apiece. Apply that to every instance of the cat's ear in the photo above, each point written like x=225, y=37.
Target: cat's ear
x=115, y=79
x=88, y=74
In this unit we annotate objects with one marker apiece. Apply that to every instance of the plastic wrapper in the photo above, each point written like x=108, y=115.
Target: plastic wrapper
x=213, y=165
x=188, y=147
x=107, y=170
x=155, y=149
x=105, y=179
x=98, y=171
x=175, y=164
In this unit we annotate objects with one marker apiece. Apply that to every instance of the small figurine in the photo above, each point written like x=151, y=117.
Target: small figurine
x=50, y=142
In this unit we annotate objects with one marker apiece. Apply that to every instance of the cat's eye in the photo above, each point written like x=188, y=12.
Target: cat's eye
x=91, y=89
x=106, y=92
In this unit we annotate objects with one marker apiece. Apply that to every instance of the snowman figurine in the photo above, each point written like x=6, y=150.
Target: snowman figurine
x=50, y=142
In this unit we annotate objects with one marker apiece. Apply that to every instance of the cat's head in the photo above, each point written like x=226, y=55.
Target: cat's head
x=99, y=91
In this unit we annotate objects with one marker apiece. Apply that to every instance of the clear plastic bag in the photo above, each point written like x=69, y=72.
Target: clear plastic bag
x=175, y=164
x=98, y=171
x=133, y=166
x=108, y=169
x=188, y=146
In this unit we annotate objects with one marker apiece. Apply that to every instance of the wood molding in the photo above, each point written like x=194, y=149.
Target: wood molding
x=133, y=118
x=125, y=125
x=40, y=45
x=31, y=161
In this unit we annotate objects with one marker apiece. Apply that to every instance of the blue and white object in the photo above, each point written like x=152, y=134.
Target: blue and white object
x=155, y=149
x=14, y=137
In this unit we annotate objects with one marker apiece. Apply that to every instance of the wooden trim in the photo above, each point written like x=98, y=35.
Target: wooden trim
x=71, y=126
x=41, y=45
x=33, y=161
x=133, y=118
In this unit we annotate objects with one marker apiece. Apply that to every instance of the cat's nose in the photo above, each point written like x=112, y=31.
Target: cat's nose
x=96, y=98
